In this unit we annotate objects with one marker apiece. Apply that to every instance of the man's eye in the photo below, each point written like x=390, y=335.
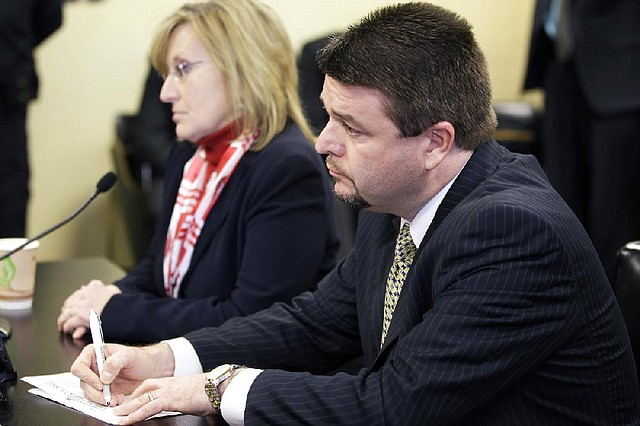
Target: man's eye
x=350, y=129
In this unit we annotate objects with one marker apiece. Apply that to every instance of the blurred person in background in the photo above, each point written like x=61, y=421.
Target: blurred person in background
x=585, y=55
x=24, y=24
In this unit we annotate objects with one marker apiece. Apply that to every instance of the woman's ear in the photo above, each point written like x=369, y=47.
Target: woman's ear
x=439, y=141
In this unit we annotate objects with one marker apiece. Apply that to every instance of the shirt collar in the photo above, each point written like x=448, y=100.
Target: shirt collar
x=423, y=219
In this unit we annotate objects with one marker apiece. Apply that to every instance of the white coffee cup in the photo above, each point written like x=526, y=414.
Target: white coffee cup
x=17, y=274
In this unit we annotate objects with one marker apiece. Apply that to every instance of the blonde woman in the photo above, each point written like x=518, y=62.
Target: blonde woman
x=247, y=208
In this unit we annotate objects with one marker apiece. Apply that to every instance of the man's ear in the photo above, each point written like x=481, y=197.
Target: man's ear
x=440, y=140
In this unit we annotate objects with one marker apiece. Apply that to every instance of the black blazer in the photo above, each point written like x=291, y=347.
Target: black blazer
x=270, y=236
x=507, y=318
x=606, y=55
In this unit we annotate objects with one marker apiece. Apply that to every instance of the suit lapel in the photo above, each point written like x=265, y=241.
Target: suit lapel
x=216, y=218
x=416, y=296
x=218, y=214
x=376, y=241
x=385, y=256
x=480, y=166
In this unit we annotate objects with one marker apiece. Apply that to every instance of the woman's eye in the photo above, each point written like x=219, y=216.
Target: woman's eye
x=183, y=68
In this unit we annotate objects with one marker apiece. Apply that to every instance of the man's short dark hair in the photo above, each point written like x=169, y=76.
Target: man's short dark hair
x=425, y=61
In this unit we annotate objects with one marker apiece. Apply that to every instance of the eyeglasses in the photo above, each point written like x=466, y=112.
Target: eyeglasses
x=180, y=70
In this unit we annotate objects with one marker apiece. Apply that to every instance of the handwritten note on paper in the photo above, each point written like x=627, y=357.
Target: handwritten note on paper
x=64, y=388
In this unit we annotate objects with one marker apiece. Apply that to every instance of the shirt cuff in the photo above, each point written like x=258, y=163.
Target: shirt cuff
x=234, y=398
x=186, y=359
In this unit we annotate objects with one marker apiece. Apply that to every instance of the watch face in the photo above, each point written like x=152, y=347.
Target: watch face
x=219, y=371
x=215, y=377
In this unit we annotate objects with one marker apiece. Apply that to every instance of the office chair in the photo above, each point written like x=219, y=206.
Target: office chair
x=518, y=124
x=134, y=220
x=626, y=287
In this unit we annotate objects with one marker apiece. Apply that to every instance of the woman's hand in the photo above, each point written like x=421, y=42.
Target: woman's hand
x=74, y=314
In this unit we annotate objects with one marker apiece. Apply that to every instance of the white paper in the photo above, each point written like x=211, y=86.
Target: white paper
x=64, y=388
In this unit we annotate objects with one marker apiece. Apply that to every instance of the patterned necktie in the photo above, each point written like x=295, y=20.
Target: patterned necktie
x=402, y=258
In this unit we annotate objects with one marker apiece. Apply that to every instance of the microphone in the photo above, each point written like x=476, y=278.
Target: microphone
x=104, y=184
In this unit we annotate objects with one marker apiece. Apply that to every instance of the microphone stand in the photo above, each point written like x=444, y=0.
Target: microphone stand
x=105, y=184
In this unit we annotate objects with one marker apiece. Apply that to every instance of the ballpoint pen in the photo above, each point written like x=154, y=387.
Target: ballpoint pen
x=98, y=345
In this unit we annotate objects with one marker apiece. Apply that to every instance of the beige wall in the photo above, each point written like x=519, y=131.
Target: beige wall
x=93, y=68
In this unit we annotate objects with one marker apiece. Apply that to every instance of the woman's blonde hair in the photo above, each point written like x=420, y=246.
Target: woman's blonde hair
x=250, y=46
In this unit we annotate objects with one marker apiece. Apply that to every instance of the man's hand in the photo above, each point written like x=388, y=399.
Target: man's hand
x=183, y=394
x=124, y=370
x=74, y=314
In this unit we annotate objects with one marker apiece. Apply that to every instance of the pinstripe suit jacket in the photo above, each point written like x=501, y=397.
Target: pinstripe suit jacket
x=507, y=318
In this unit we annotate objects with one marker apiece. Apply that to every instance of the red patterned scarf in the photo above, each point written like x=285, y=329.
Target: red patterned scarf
x=203, y=179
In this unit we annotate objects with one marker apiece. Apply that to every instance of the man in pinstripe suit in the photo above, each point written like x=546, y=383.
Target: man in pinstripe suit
x=506, y=316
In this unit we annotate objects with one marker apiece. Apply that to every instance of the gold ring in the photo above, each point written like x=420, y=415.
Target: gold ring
x=150, y=396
